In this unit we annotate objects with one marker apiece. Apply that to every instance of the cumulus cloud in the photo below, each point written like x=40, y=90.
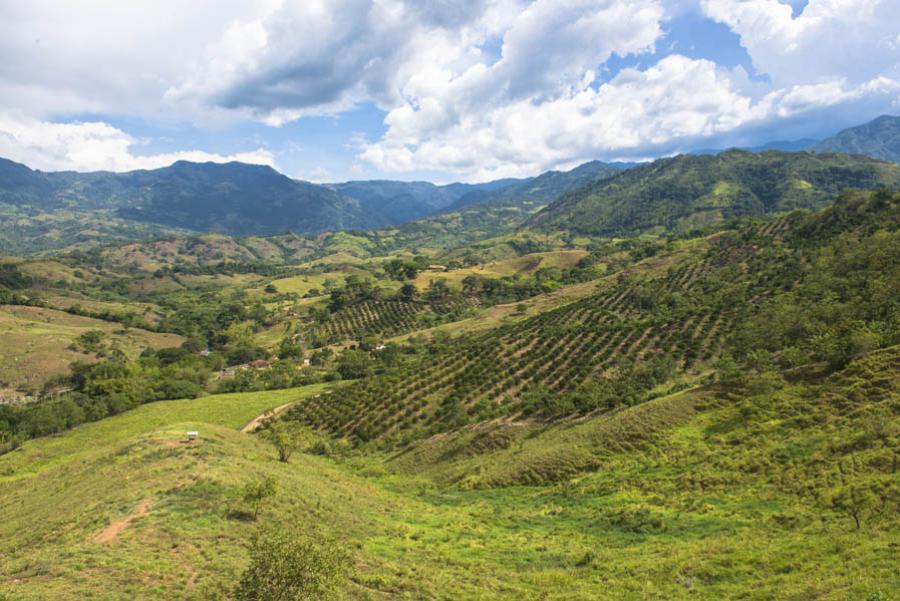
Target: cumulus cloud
x=93, y=146
x=473, y=88
x=535, y=110
x=852, y=40
x=104, y=56
x=303, y=58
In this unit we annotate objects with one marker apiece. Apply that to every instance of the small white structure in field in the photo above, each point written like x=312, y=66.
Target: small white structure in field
x=192, y=435
x=306, y=362
x=380, y=347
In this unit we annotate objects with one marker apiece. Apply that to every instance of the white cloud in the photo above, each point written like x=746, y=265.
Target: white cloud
x=852, y=40
x=104, y=56
x=674, y=105
x=475, y=88
x=93, y=146
x=537, y=108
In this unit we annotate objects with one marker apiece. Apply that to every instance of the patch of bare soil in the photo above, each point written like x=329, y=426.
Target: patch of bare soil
x=109, y=534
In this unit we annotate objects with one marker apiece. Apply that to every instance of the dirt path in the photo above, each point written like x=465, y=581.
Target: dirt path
x=256, y=421
x=110, y=533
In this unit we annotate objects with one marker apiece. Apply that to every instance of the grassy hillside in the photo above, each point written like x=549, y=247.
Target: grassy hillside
x=36, y=343
x=710, y=415
x=690, y=192
x=124, y=506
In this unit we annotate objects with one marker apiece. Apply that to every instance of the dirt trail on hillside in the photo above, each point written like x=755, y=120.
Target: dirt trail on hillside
x=256, y=421
x=110, y=533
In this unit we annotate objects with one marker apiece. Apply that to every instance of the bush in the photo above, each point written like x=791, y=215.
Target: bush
x=284, y=567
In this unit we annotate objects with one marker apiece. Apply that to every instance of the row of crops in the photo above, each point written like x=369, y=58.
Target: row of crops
x=678, y=316
x=385, y=318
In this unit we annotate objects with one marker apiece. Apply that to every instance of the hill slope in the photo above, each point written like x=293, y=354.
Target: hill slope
x=879, y=139
x=542, y=189
x=712, y=495
x=685, y=192
x=662, y=322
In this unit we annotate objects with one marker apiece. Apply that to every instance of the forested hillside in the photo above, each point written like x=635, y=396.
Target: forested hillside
x=879, y=139
x=72, y=211
x=688, y=192
x=751, y=295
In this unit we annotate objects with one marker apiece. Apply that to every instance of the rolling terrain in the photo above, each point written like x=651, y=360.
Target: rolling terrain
x=679, y=381
x=688, y=192
x=879, y=139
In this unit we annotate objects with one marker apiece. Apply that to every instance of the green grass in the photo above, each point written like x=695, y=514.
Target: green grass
x=36, y=340
x=225, y=410
x=685, y=497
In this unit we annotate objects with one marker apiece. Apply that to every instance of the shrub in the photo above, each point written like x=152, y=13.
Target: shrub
x=286, y=567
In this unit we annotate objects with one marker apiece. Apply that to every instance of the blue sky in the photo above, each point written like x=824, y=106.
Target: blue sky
x=469, y=90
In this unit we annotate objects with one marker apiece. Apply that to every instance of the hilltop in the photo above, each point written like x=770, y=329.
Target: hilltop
x=68, y=210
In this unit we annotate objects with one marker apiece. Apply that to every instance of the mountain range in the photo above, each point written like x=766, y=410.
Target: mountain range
x=58, y=210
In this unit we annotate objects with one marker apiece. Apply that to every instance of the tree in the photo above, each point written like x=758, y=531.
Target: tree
x=854, y=501
x=258, y=491
x=285, y=566
x=354, y=364
x=90, y=341
x=408, y=292
x=287, y=436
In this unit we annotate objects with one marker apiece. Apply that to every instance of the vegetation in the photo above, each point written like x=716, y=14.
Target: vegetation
x=710, y=405
x=283, y=566
x=258, y=491
x=880, y=139
x=686, y=192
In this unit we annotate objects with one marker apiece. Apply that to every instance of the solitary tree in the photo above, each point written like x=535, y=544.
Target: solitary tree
x=854, y=501
x=258, y=491
x=287, y=436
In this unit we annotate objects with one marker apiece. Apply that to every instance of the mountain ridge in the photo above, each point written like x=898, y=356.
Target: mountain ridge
x=689, y=191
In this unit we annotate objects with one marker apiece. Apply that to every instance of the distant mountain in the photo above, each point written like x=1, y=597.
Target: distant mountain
x=57, y=210
x=783, y=145
x=392, y=202
x=689, y=191
x=879, y=139
x=238, y=199
x=542, y=189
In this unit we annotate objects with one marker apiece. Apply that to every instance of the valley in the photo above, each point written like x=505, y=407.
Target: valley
x=673, y=380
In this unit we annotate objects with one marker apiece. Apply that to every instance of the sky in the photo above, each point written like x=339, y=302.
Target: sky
x=442, y=90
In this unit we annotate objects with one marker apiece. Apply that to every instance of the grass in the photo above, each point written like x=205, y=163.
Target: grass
x=36, y=340
x=669, y=507
x=524, y=265
x=226, y=410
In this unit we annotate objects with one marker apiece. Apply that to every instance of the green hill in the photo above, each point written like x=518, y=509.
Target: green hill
x=880, y=139
x=744, y=492
x=687, y=192
x=661, y=323
x=705, y=415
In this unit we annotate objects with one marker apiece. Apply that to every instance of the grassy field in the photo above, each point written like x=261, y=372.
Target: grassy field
x=36, y=341
x=525, y=265
x=124, y=507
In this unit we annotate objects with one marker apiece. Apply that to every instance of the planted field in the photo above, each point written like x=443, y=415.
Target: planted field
x=386, y=318
x=124, y=508
x=638, y=321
